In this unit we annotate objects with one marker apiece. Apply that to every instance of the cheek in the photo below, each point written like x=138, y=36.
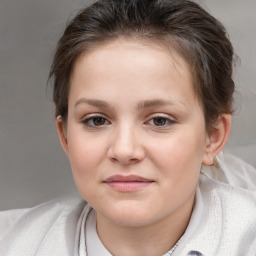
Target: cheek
x=85, y=155
x=85, y=158
x=179, y=158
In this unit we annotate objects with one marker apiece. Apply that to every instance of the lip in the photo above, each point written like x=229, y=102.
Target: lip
x=130, y=183
x=129, y=178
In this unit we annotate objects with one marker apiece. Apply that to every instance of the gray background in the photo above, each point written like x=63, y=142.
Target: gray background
x=33, y=167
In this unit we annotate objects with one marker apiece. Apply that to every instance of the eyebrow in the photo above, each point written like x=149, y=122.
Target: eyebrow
x=93, y=102
x=157, y=102
x=141, y=105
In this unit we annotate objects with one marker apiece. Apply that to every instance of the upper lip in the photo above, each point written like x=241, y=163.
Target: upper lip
x=129, y=178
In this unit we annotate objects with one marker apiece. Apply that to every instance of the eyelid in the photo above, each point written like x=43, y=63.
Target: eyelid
x=85, y=120
x=167, y=116
x=97, y=114
x=171, y=120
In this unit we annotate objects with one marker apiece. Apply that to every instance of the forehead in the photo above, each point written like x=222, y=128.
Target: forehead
x=129, y=62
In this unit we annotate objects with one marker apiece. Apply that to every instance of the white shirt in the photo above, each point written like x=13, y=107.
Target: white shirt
x=90, y=243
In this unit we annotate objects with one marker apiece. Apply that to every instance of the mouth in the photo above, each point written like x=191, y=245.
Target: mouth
x=129, y=183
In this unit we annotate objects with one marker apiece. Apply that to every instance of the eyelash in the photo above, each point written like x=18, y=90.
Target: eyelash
x=93, y=118
x=167, y=121
x=164, y=120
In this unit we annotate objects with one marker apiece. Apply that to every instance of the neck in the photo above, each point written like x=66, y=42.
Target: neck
x=154, y=239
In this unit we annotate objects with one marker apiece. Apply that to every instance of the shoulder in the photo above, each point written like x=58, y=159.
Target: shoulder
x=233, y=201
x=233, y=171
x=36, y=231
x=7, y=218
x=212, y=188
x=226, y=221
x=223, y=221
x=40, y=217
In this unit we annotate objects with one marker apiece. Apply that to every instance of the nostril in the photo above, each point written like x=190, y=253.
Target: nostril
x=195, y=253
x=132, y=161
x=113, y=159
x=124, y=161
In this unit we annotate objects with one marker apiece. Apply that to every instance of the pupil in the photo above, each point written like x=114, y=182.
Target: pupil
x=159, y=121
x=98, y=121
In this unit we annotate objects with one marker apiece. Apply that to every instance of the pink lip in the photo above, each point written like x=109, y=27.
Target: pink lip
x=129, y=183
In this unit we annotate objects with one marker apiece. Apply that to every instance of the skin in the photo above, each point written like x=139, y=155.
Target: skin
x=133, y=111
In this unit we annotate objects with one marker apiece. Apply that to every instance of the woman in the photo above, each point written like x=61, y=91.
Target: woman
x=143, y=93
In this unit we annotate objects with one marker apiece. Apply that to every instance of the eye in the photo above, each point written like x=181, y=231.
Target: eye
x=160, y=121
x=95, y=121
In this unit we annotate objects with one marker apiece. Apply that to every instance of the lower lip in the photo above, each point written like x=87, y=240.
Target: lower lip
x=129, y=186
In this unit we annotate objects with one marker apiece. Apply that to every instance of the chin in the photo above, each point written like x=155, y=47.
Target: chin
x=129, y=215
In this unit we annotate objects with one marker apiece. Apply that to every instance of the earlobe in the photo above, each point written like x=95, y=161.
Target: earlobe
x=217, y=139
x=62, y=133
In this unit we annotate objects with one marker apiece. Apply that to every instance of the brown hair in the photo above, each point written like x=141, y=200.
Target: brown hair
x=181, y=24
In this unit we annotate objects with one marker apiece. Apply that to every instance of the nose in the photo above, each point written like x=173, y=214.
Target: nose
x=125, y=147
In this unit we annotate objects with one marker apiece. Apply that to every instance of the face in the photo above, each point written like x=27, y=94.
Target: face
x=135, y=133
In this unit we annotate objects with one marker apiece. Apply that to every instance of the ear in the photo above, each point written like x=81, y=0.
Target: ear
x=62, y=132
x=217, y=139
